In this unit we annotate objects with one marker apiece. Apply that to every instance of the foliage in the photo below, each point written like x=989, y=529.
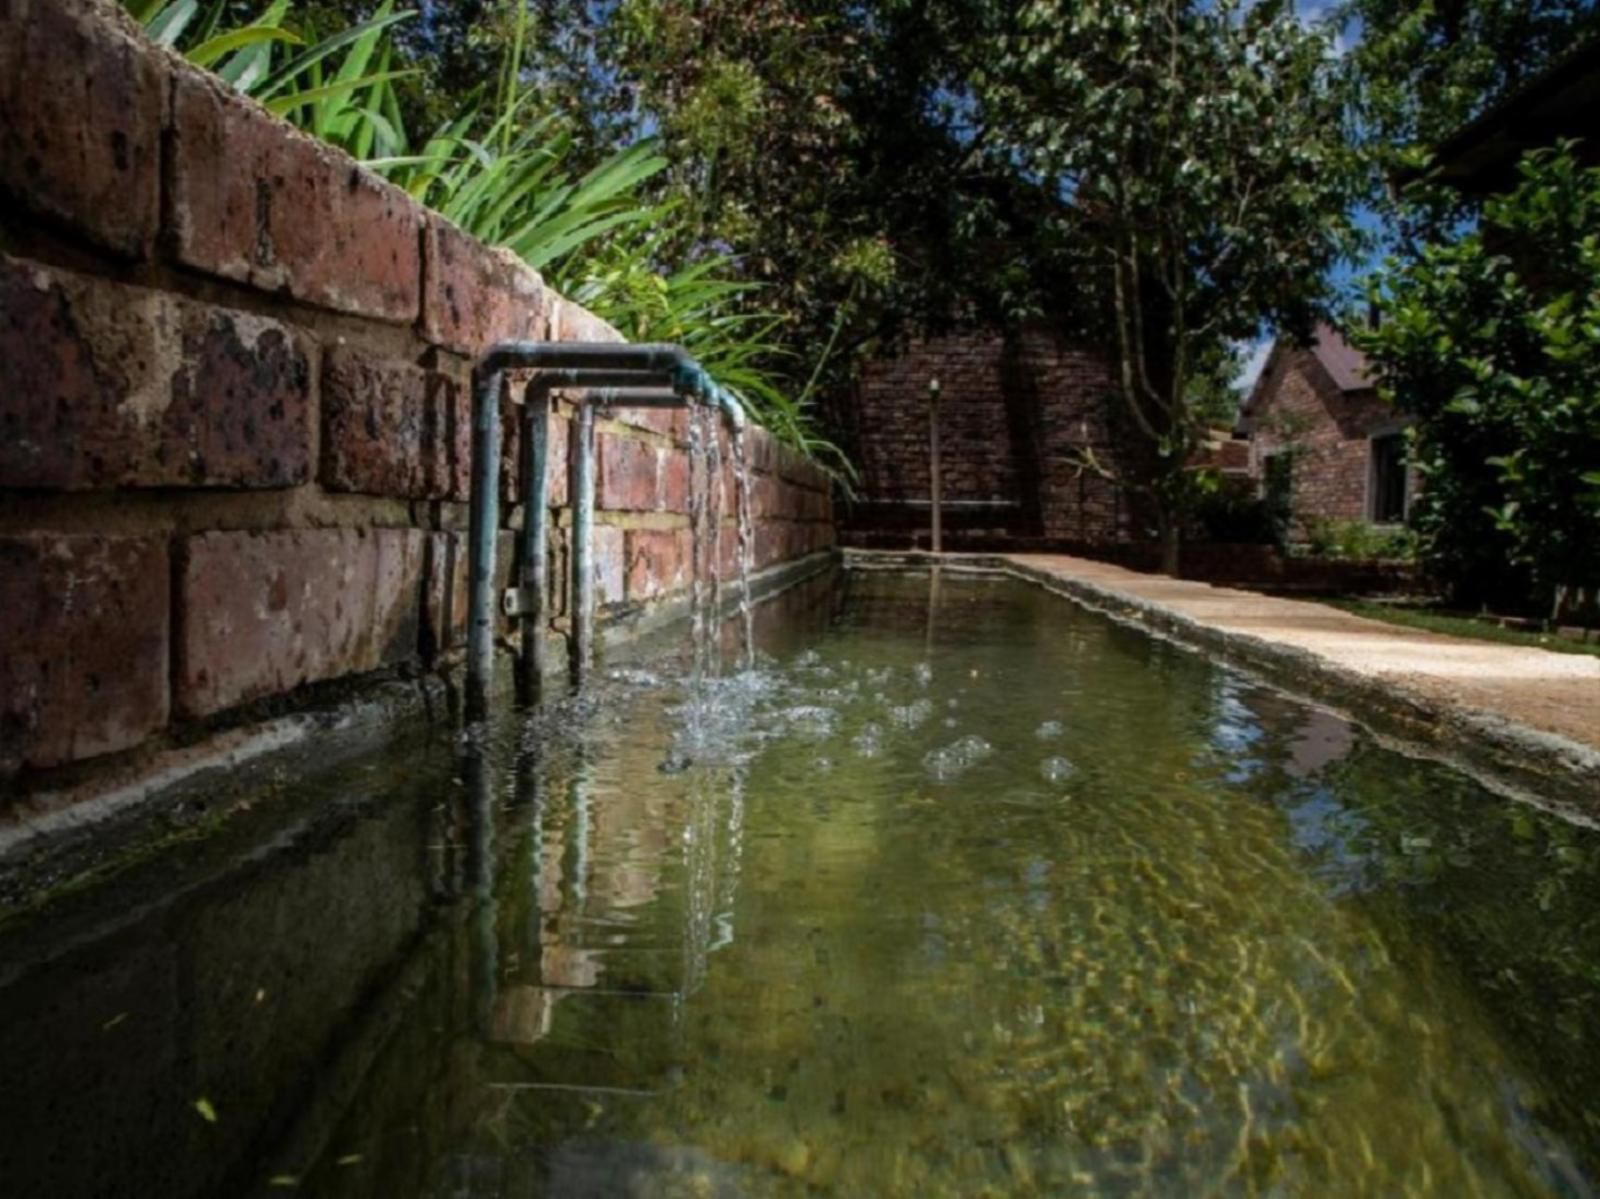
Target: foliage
x=1492, y=341
x=1202, y=147
x=1420, y=71
x=506, y=175
x=1357, y=540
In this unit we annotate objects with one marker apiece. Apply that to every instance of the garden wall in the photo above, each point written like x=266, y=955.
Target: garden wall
x=234, y=409
x=1016, y=413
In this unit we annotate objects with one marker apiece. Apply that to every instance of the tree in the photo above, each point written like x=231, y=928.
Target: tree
x=1492, y=340
x=1422, y=70
x=1202, y=148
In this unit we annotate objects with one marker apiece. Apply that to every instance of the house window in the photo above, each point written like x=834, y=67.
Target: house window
x=1387, y=494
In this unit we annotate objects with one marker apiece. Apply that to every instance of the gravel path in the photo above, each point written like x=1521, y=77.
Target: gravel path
x=1552, y=693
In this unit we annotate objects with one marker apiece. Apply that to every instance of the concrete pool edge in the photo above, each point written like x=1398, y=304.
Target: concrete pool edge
x=1528, y=763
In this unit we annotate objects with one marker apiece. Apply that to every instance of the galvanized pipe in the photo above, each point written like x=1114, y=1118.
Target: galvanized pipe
x=535, y=541
x=616, y=375
x=483, y=525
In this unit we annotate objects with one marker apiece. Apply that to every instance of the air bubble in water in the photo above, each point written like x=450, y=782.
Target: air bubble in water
x=869, y=741
x=1056, y=770
x=952, y=759
x=1049, y=730
x=912, y=714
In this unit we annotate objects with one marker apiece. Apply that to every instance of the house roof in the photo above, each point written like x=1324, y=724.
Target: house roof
x=1346, y=365
x=1558, y=102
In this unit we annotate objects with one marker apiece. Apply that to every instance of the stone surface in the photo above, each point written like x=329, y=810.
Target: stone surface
x=658, y=562
x=80, y=121
x=255, y=201
x=262, y=613
x=84, y=624
x=474, y=295
x=390, y=428
x=610, y=563
x=628, y=471
x=103, y=385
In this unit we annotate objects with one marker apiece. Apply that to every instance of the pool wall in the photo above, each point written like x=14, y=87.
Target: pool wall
x=234, y=415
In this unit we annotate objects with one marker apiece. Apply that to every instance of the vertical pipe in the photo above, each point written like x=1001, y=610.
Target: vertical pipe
x=483, y=525
x=582, y=487
x=935, y=483
x=535, y=540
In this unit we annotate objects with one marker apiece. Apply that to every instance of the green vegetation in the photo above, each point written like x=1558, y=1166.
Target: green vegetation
x=1358, y=540
x=1492, y=340
x=1456, y=625
x=1203, y=147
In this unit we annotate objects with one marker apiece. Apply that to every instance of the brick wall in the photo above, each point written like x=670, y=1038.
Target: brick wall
x=234, y=407
x=1016, y=413
x=1328, y=429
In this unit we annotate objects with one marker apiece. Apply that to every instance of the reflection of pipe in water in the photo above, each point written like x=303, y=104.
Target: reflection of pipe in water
x=484, y=951
x=933, y=607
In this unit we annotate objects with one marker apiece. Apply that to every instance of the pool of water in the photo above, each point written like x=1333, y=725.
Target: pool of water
x=963, y=891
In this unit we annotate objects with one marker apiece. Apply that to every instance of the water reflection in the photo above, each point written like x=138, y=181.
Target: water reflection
x=1167, y=933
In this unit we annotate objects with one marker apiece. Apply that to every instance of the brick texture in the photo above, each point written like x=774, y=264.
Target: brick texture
x=393, y=429
x=84, y=625
x=1327, y=429
x=262, y=613
x=80, y=121
x=103, y=385
x=254, y=201
x=1016, y=416
x=474, y=296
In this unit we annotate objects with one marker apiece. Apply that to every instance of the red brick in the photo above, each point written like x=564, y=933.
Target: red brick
x=391, y=428
x=474, y=295
x=628, y=474
x=375, y=429
x=658, y=561
x=84, y=624
x=103, y=385
x=573, y=322
x=262, y=613
x=674, y=483
x=256, y=201
x=610, y=564
x=81, y=98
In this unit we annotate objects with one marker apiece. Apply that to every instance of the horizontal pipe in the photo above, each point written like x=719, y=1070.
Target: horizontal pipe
x=559, y=355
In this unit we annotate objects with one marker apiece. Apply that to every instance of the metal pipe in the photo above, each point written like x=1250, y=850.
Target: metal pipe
x=616, y=374
x=483, y=525
x=581, y=487
x=535, y=541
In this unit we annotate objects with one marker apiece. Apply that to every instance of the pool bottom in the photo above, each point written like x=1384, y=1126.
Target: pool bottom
x=960, y=894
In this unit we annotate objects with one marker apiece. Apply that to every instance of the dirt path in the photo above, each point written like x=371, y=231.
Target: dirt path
x=1550, y=692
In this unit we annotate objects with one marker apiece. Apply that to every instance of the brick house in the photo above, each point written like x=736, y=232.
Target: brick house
x=1324, y=446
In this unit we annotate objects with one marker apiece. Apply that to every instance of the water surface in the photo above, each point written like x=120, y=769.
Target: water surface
x=963, y=892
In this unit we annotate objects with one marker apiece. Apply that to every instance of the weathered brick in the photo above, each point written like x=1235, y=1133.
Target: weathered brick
x=391, y=428
x=474, y=295
x=674, y=478
x=628, y=474
x=103, y=385
x=81, y=98
x=658, y=561
x=610, y=564
x=84, y=624
x=262, y=613
x=255, y=201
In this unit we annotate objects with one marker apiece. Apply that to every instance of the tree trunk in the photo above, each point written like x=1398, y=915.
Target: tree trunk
x=1170, y=526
